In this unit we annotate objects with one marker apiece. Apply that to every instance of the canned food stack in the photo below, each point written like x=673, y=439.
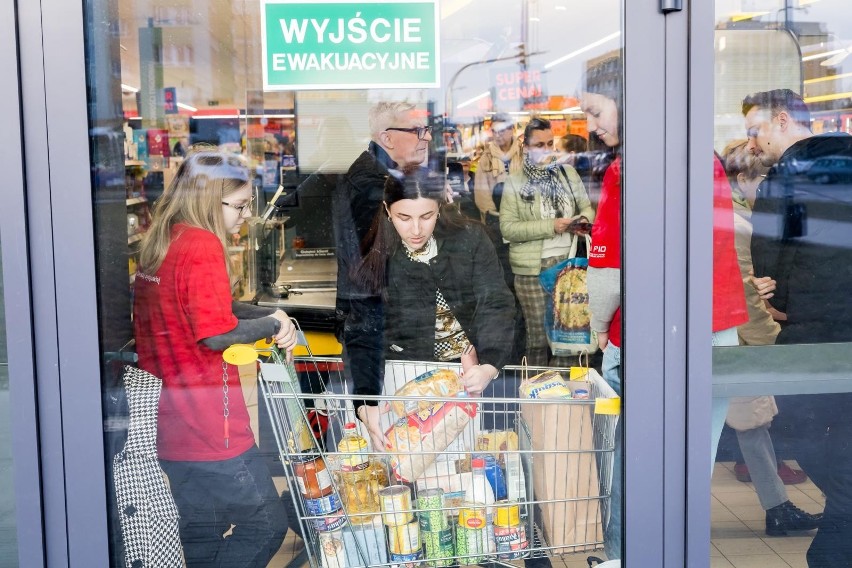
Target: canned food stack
x=472, y=533
x=510, y=532
x=320, y=498
x=435, y=531
x=404, y=547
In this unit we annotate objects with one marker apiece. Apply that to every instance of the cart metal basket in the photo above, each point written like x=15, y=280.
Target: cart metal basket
x=555, y=459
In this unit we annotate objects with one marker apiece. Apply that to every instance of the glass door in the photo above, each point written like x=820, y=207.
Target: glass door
x=782, y=321
x=536, y=119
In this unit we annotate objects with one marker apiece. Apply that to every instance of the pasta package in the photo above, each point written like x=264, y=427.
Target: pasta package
x=548, y=384
x=416, y=440
x=440, y=383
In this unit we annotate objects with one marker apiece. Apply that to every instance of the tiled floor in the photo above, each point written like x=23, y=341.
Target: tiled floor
x=737, y=531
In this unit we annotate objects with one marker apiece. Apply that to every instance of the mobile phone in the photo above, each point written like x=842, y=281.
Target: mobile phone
x=584, y=226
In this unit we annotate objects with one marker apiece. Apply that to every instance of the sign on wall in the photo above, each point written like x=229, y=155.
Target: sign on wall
x=356, y=44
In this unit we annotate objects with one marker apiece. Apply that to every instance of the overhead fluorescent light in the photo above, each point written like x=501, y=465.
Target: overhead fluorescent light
x=187, y=107
x=268, y=115
x=744, y=16
x=129, y=89
x=572, y=110
x=837, y=59
x=472, y=100
x=582, y=50
x=823, y=54
x=806, y=2
x=828, y=78
x=831, y=97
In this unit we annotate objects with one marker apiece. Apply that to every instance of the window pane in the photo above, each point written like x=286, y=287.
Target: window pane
x=8, y=525
x=782, y=224
x=406, y=180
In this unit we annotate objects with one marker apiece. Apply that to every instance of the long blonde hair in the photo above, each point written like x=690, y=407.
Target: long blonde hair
x=194, y=197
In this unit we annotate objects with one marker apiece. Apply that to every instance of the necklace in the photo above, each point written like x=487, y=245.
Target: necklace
x=422, y=251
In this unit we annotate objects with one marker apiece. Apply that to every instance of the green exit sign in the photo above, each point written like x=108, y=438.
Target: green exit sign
x=349, y=45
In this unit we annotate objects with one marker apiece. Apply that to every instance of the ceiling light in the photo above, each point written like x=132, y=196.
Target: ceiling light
x=473, y=99
x=572, y=110
x=129, y=89
x=823, y=54
x=837, y=59
x=743, y=16
x=827, y=78
x=589, y=47
x=187, y=107
x=831, y=97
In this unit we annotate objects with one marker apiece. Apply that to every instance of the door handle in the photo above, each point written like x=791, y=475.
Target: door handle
x=667, y=6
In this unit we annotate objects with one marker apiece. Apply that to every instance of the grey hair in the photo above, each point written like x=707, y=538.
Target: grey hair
x=385, y=114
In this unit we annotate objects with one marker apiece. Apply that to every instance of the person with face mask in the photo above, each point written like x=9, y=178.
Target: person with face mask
x=544, y=207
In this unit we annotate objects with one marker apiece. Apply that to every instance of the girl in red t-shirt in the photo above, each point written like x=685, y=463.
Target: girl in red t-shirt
x=184, y=317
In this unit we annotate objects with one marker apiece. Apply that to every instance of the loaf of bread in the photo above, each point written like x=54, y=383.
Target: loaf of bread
x=440, y=383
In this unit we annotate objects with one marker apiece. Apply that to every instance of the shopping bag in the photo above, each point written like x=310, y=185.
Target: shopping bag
x=565, y=470
x=567, y=319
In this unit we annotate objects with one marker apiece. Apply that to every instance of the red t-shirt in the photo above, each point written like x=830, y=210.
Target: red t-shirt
x=187, y=300
x=729, y=305
x=606, y=235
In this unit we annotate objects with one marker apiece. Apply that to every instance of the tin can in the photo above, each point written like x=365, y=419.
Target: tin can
x=472, y=533
x=430, y=510
x=396, y=505
x=510, y=533
x=312, y=477
x=404, y=539
x=494, y=475
x=323, y=505
x=332, y=550
x=440, y=550
x=329, y=523
x=406, y=560
x=581, y=394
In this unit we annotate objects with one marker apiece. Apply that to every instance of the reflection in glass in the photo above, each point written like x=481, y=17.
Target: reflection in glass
x=8, y=525
x=392, y=223
x=782, y=108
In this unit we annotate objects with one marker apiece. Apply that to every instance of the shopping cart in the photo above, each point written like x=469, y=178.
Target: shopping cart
x=555, y=460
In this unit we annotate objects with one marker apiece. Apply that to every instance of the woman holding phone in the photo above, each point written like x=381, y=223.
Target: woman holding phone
x=184, y=317
x=543, y=208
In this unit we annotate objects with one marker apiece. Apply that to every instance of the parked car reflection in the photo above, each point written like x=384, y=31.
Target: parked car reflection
x=831, y=169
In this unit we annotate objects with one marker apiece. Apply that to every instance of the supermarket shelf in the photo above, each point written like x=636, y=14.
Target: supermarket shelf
x=134, y=163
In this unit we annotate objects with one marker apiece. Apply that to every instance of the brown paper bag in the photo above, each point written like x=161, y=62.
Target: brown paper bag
x=569, y=475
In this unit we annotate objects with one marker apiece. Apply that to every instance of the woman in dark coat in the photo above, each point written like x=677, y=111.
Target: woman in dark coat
x=438, y=290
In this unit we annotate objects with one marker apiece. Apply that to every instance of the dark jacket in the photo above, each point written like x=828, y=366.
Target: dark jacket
x=470, y=278
x=803, y=239
x=357, y=199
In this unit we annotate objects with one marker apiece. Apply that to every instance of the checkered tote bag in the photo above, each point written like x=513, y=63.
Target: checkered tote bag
x=147, y=511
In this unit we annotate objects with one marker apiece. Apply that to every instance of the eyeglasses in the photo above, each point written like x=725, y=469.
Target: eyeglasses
x=753, y=132
x=241, y=208
x=421, y=131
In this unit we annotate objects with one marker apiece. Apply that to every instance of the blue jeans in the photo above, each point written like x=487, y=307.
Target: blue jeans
x=611, y=369
x=212, y=496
